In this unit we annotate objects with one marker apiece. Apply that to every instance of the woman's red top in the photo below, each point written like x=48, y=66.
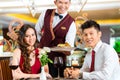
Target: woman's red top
x=36, y=67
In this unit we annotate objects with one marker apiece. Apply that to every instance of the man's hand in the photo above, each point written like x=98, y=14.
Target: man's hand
x=75, y=73
x=67, y=72
x=71, y=73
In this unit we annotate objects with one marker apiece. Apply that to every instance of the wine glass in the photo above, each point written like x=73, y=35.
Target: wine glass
x=11, y=65
x=58, y=62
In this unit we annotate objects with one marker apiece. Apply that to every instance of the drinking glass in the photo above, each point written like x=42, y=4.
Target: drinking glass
x=58, y=62
x=11, y=65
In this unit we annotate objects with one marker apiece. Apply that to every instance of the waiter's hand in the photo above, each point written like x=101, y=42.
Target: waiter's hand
x=66, y=52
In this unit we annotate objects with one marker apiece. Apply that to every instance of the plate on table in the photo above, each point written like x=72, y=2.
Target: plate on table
x=6, y=54
x=71, y=79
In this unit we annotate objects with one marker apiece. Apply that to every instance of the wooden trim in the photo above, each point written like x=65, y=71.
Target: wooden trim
x=5, y=71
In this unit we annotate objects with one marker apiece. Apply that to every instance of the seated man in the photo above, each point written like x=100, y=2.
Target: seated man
x=101, y=63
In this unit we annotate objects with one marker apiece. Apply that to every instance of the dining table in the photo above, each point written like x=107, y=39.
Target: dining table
x=55, y=79
x=5, y=70
x=4, y=66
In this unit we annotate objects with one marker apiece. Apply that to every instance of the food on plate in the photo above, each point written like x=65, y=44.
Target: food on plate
x=64, y=45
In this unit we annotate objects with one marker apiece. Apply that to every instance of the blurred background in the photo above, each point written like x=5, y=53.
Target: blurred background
x=105, y=12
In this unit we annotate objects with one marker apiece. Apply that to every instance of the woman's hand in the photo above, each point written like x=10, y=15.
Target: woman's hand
x=18, y=74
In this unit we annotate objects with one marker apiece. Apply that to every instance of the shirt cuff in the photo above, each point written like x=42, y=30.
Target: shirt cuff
x=85, y=75
x=72, y=51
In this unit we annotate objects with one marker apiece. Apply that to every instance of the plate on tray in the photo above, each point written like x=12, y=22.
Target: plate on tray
x=62, y=48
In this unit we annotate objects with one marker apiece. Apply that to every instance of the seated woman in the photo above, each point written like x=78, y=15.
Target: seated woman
x=26, y=56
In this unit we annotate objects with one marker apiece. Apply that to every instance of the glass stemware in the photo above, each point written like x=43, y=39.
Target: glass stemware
x=58, y=62
x=11, y=65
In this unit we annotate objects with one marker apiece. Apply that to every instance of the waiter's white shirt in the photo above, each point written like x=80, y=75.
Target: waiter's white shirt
x=70, y=37
x=107, y=65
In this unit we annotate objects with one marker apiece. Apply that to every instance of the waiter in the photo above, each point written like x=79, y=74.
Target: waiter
x=56, y=26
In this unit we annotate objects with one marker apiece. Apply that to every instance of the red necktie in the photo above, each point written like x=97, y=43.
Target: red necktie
x=92, y=62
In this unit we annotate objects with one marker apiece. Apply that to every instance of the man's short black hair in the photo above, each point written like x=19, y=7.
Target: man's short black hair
x=89, y=24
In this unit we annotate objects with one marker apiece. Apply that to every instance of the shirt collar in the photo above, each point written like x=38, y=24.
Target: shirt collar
x=62, y=14
x=98, y=46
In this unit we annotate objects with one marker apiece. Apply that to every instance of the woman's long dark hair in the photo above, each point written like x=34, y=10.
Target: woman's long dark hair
x=23, y=46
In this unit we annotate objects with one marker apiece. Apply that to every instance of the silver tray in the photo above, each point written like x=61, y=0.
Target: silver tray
x=62, y=48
